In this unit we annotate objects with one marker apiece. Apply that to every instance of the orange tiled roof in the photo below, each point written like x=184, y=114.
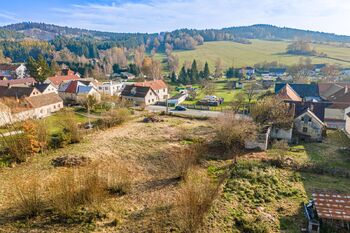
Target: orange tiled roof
x=155, y=85
x=57, y=80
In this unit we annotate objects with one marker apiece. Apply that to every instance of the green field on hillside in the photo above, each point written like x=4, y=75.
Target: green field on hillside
x=259, y=51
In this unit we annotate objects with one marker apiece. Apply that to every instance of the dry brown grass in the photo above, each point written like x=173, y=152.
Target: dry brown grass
x=194, y=199
x=186, y=158
x=118, y=178
x=73, y=188
x=28, y=196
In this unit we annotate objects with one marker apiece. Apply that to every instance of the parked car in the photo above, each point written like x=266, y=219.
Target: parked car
x=180, y=108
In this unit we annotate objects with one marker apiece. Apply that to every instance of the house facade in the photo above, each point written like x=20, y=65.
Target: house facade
x=140, y=95
x=111, y=88
x=158, y=86
x=22, y=103
x=347, y=124
x=77, y=91
x=12, y=71
x=308, y=127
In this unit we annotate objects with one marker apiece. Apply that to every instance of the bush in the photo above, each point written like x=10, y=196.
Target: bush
x=232, y=132
x=194, y=200
x=183, y=160
x=25, y=143
x=70, y=127
x=59, y=140
x=115, y=117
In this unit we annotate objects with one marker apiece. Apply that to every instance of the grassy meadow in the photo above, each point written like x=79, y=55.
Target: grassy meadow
x=239, y=55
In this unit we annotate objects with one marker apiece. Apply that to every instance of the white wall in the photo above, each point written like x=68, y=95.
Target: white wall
x=347, y=127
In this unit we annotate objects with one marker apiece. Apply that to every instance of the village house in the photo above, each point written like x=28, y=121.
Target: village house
x=111, y=88
x=22, y=81
x=77, y=91
x=46, y=88
x=309, y=127
x=18, y=92
x=249, y=71
x=24, y=103
x=12, y=71
x=57, y=80
x=309, y=111
x=158, y=86
x=338, y=97
x=139, y=95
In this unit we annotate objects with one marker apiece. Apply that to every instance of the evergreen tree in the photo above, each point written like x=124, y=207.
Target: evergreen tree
x=230, y=73
x=173, y=77
x=39, y=69
x=194, y=72
x=206, y=72
x=134, y=69
x=116, y=68
x=183, y=76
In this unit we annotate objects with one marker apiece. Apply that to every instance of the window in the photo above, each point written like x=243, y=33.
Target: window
x=304, y=129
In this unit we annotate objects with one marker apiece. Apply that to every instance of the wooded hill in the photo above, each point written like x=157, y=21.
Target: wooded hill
x=82, y=42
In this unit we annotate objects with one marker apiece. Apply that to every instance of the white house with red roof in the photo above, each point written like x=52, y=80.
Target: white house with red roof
x=147, y=93
x=78, y=90
x=159, y=86
x=57, y=80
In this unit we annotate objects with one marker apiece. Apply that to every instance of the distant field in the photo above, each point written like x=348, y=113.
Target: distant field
x=259, y=51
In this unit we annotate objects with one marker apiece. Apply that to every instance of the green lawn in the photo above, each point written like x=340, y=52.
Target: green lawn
x=54, y=125
x=239, y=55
x=221, y=90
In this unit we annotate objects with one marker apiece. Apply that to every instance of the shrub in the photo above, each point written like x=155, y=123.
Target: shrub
x=183, y=160
x=59, y=140
x=70, y=127
x=115, y=117
x=194, y=200
x=24, y=143
x=42, y=134
x=233, y=132
x=28, y=196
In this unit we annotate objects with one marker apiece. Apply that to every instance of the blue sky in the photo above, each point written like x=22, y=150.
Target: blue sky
x=165, y=15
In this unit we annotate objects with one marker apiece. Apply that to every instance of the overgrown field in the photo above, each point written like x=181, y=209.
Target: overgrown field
x=239, y=55
x=137, y=182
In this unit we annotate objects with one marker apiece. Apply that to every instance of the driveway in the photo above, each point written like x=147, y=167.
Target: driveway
x=188, y=112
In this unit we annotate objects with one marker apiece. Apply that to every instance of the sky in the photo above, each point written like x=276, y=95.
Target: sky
x=167, y=15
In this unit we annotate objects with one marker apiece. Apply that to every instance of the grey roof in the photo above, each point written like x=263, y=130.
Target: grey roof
x=16, y=91
x=140, y=92
x=303, y=90
x=41, y=87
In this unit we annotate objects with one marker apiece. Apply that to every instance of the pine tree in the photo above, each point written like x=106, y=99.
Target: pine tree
x=194, y=72
x=206, y=72
x=39, y=69
x=173, y=77
x=183, y=76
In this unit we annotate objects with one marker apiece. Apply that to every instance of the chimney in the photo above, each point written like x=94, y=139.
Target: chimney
x=346, y=89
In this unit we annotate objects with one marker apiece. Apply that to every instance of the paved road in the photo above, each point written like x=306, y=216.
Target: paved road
x=189, y=112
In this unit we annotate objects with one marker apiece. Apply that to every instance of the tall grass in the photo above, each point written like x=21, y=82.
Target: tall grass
x=73, y=188
x=28, y=196
x=194, y=199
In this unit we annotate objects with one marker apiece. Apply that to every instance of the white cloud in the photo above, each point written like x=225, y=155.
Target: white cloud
x=156, y=15
x=8, y=17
